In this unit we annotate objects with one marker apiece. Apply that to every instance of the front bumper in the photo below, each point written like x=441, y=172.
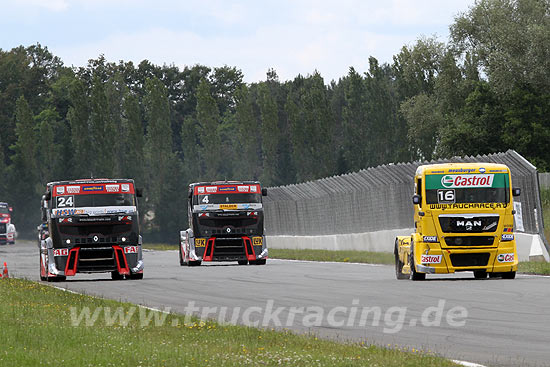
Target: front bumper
x=228, y=249
x=502, y=258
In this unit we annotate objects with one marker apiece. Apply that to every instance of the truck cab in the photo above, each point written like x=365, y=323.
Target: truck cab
x=464, y=221
x=226, y=223
x=7, y=229
x=90, y=226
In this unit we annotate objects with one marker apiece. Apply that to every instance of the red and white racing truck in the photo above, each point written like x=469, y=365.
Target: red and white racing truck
x=90, y=226
x=7, y=229
x=226, y=223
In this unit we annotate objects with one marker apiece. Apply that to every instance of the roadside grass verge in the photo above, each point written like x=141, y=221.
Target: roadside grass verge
x=38, y=328
x=532, y=267
x=351, y=256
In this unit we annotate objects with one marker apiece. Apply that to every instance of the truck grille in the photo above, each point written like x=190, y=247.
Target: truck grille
x=470, y=241
x=470, y=259
x=96, y=259
x=478, y=224
x=3, y=228
x=89, y=241
x=88, y=229
x=229, y=249
x=223, y=222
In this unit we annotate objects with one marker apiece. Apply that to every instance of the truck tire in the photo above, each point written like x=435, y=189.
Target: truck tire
x=480, y=274
x=414, y=274
x=243, y=262
x=258, y=262
x=193, y=263
x=509, y=275
x=136, y=276
x=182, y=263
x=42, y=278
x=399, y=265
x=60, y=278
x=115, y=275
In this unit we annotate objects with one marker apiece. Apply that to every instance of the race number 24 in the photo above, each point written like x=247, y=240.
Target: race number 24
x=65, y=201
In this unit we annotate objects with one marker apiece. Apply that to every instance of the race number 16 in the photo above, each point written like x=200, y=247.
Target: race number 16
x=446, y=196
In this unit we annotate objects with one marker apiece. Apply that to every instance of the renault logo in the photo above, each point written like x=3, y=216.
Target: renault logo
x=96, y=238
x=228, y=230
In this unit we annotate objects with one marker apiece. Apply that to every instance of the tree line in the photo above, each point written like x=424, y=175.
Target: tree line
x=483, y=91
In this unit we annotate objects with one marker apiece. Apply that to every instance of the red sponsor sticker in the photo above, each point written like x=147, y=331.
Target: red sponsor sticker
x=61, y=252
x=131, y=250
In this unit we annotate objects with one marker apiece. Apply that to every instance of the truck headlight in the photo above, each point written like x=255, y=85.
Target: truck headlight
x=431, y=239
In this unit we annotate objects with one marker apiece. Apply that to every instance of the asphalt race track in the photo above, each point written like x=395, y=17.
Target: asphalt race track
x=493, y=322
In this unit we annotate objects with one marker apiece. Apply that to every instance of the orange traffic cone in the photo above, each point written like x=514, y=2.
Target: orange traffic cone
x=5, y=272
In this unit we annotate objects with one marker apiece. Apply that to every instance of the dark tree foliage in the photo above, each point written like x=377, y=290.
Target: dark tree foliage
x=484, y=91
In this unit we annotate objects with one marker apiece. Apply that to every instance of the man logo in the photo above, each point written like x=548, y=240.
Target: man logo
x=468, y=224
x=447, y=181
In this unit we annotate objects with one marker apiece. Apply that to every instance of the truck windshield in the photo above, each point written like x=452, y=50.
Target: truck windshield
x=226, y=199
x=467, y=188
x=4, y=210
x=94, y=200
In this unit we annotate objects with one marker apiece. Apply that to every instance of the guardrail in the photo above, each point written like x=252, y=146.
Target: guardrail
x=379, y=198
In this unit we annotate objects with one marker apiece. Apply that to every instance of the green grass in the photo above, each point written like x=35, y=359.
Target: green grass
x=329, y=255
x=532, y=267
x=37, y=330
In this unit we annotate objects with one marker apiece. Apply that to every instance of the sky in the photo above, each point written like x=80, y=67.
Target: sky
x=290, y=36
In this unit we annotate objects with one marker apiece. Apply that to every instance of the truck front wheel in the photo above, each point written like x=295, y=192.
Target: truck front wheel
x=181, y=258
x=480, y=274
x=414, y=274
x=509, y=275
x=399, y=265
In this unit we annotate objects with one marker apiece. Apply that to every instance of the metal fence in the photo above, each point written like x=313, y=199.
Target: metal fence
x=379, y=198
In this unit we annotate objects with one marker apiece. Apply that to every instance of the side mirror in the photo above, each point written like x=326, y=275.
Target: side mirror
x=516, y=191
x=190, y=194
x=10, y=209
x=139, y=193
x=264, y=192
x=48, y=196
x=417, y=199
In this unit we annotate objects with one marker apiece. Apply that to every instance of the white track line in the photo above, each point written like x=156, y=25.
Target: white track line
x=467, y=364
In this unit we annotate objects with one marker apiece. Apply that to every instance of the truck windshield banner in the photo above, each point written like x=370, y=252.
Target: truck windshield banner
x=494, y=180
x=93, y=188
x=227, y=189
x=94, y=211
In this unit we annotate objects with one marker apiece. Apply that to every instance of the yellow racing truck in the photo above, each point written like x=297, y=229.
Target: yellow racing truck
x=464, y=220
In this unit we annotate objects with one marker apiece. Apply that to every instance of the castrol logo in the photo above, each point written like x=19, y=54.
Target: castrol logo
x=430, y=259
x=505, y=258
x=462, y=181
